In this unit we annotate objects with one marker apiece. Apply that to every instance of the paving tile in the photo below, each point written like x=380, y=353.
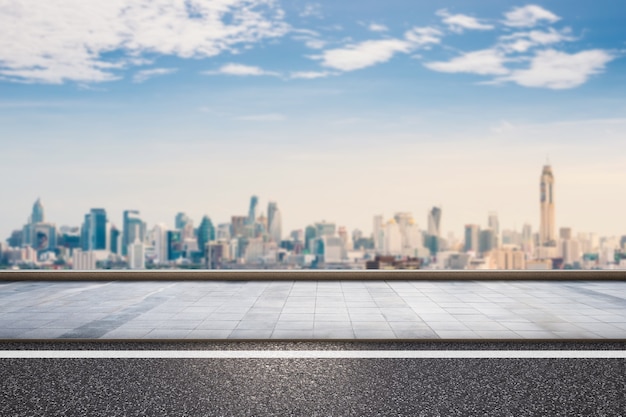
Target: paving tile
x=332, y=317
x=208, y=334
x=255, y=325
x=250, y=334
x=292, y=334
x=217, y=324
x=294, y=325
x=126, y=333
x=325, y=333
x=415, y=334
x=308, y=316
x=456, y=334
x=374, y=334
x=166, y=334
x=475, y=309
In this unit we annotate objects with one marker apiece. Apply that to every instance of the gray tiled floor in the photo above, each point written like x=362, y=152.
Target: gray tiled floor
x=313, y=309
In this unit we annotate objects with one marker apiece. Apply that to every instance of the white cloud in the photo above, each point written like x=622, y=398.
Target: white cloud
x=559, y=70
x=144, y=75
x=459, y=22
x=422, y=36
x=523, y=41
x=363, y=54
x=375, y=27
x=371, y=52
x=315, y=43
x=312, y=10
x=484, y=62
x=309, y=75
x=56, y=41
x=241, y=70
x=528, y=16
x=270, y=117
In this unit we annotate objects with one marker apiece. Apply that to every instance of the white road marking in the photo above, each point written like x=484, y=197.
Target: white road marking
x=313, y=354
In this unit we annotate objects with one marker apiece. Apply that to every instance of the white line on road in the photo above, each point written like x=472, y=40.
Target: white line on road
x=313, y=354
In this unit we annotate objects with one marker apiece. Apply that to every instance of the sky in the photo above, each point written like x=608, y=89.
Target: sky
x=336, y=110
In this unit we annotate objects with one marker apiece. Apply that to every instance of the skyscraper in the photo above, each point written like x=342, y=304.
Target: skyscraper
x=274, y=222
x=434, y=221
x=97, y=237
x=547, y=236
x=494, y=225
x=181, y=221
x=472, y=233
x=206, y=233
x=134, y=228
x=254, y=200
x=37, y=215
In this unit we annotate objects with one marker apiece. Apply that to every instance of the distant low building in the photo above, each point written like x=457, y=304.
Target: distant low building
x=391, y=262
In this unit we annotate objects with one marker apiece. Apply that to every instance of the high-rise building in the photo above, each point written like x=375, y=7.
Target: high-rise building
x=174, y=245
x=238, y=224
x=159, y=240
x=392, y=242
x=434, y=221
x=411, y=238
x=97, y=229
x=37, y=216
x=84, y=233
x=254, y=201
x=136, y=255
x=206, y=233
x=133, y=228
x=114, y=237
x=83, y=260
x=377, y=233
x=547, y=236
x=181, y=220
x=274, y=222
x=324, y=229
x=494, y=225
x=487, y=241
x=432, y=239
x=472, y=232
x=44, y=236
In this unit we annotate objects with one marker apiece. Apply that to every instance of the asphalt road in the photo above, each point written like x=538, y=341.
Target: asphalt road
x=312, y=387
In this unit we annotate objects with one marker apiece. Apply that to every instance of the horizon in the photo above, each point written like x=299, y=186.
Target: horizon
x=337, y=112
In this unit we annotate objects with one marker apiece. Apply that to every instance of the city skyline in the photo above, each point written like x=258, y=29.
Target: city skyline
x=336, y=111
x=546, y=230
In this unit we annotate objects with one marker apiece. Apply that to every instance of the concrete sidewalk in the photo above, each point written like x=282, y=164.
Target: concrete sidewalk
x=313, y=310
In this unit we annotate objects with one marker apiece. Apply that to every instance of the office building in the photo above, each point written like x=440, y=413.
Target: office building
x=486, y=241
x=494, y=225
x=94, y=233
x=132, y=229
x=159, y=241
x=83, y=260
x=434, y=221
x=206, y=233
x=274, y=222
x=547, y=236
x=254, y=201
x=181, y=220
x=136, y=255
x=472, y=234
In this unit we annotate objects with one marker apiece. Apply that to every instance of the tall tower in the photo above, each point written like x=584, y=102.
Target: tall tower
x=37, y=216
x=133, y=228
x=434, y=221
x=547, y=236
x=274, y=222
x=97, y=229
x=254, y=200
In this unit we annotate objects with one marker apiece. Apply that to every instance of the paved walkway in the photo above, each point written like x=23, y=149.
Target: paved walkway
x=313, y=310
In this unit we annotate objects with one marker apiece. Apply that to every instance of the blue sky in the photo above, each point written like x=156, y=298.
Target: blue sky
x=336, y=110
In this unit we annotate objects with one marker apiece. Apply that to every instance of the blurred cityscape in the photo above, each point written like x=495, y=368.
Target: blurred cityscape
x=256, y=240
